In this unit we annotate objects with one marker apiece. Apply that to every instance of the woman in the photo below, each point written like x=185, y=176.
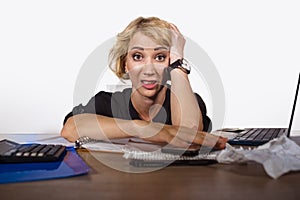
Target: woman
x=149, y=52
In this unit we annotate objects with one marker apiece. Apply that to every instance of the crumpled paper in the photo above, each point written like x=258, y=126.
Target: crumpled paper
x=278, y=156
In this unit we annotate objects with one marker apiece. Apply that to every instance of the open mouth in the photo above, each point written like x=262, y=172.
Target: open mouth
x=149, y=84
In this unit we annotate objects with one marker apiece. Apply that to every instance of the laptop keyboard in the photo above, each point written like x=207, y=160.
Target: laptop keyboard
x=257, y=136
x=12, y=152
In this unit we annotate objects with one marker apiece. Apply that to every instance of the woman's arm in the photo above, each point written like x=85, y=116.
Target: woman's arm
x=184, y=105
x=105, y=128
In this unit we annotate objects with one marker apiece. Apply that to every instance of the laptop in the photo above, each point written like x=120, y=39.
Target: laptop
x=259, y=136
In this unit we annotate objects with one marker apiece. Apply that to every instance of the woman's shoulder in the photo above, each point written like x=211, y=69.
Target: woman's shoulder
x=106, y=93
x=125, y=93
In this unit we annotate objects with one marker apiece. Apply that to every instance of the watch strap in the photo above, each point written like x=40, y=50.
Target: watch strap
x=179, y=64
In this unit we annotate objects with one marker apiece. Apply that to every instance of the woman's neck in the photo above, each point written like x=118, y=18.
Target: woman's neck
x=146, y=107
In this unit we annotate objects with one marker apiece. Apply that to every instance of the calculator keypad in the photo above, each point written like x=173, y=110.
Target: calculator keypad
x=12, y=152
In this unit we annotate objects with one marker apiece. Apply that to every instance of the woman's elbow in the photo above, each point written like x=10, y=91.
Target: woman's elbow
x=69, y=131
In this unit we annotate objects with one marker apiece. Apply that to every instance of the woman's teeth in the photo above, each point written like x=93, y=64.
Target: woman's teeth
x=148, y=82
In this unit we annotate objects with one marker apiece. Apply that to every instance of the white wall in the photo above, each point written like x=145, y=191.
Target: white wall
x=254, y=45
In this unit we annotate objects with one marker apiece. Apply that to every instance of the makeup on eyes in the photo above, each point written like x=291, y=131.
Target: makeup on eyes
x=159, y=57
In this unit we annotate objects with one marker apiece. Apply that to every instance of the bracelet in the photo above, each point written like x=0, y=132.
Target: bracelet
x=83, y=140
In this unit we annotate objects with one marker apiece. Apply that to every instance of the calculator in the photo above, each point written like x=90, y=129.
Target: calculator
x=13, y=152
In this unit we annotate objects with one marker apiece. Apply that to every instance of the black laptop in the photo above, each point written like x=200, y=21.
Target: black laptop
x=258, y=136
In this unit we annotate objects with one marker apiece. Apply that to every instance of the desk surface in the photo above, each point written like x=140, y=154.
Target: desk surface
x=217, y=181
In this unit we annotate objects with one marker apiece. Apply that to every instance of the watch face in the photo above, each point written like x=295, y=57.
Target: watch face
x=181, y=64
x=186, y=65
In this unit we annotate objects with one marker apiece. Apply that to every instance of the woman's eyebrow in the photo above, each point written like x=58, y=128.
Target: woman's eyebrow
x=138, y=48
x=154, y=49
x=160, y=48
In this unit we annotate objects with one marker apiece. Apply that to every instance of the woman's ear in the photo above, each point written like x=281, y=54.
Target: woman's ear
x=125, y=67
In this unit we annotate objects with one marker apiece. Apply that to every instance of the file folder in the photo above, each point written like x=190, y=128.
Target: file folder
x=71, y=165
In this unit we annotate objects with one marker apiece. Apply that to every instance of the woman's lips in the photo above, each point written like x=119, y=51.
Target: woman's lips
x=149, y=84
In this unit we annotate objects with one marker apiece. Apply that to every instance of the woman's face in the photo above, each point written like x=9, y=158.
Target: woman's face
x=145, y=63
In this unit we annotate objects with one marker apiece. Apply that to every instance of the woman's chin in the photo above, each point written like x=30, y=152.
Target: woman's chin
x=149, y=92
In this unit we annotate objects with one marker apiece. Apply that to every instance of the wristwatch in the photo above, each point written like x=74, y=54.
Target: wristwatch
x=182, y=64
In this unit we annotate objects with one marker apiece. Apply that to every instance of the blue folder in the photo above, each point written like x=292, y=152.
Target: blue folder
x=71, y=165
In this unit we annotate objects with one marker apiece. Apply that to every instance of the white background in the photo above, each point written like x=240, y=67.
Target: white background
x=254, y=45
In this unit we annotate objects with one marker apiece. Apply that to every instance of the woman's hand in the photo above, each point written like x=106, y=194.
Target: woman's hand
x=183, y=137
x=178, y=43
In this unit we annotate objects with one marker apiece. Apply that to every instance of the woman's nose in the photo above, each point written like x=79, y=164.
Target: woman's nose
x=148, y=68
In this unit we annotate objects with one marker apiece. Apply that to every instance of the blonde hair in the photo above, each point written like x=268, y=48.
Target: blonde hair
x=153, y=27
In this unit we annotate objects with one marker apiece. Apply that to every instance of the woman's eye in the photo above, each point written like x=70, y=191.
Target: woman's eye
x=137, y=57
x=160, y=58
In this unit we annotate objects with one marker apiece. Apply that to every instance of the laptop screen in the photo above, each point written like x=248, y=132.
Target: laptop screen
x=294, y=107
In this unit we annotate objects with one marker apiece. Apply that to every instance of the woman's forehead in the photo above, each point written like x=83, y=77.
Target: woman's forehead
x=143, y=42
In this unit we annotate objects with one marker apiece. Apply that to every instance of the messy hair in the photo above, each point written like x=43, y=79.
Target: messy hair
x=153, y=27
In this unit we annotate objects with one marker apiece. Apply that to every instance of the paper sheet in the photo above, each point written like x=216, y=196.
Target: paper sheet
x=103, y=146
x=278, y=156
x=114, y=146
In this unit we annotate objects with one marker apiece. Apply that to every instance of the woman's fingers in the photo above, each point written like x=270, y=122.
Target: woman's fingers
x=221, y=144
x=210, y=140
x=199, y=137
x=174, y=27
x=178, y=43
